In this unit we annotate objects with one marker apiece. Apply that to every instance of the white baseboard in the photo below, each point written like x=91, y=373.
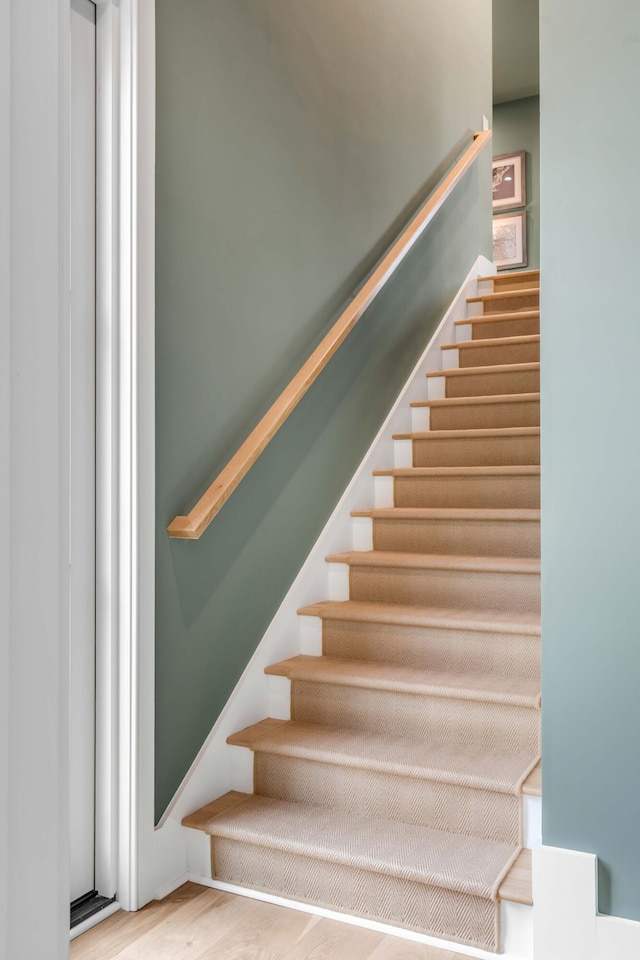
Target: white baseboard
x=211, y=773
x=567, y=925
x=516, y=922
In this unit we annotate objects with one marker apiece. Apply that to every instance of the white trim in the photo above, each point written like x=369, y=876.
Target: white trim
x=521, y=935
x=567, y=925
x=132, y=860
x=93, y=921
x=210, y=773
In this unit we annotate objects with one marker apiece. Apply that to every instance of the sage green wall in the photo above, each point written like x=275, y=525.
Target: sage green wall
x=590, y=192
x=293, y=141
x=516, y=126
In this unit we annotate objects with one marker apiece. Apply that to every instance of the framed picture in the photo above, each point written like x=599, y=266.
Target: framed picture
x=510, y=240
x=510, y=181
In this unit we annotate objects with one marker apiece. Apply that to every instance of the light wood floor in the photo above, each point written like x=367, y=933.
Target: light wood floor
x=196, y=923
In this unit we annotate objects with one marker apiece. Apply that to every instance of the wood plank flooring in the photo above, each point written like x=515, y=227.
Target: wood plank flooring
x=196, y=923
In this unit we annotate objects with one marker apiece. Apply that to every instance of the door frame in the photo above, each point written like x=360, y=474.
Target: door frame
x=125, y=425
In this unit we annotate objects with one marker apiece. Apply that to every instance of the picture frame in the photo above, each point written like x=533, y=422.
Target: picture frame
x=509, y=174
x=510, y=240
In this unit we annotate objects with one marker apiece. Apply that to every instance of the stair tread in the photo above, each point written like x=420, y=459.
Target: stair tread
x=436, y=561
x=470, y=434
x=492, y=342
x=486, y=370
x=532, y=786
x=443, y=617
x=490, y=688
x=523, y=292
x=511, y=470
x=511, y=277
x=517, y=886
x=387, y=847
x=450, y=513
x=470, y=401
x=452, y=763
x=507, y=315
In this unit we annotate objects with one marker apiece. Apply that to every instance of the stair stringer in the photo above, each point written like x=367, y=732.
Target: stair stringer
x=218, y=767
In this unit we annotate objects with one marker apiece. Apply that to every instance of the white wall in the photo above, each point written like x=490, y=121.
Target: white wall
x=33, y=482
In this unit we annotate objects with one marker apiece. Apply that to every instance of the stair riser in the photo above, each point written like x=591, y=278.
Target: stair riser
x=447, y=588
x=472, y=491
x=511, y=304
x=482, y=538
x=487, y=385
x=492, y=356
x=516, y=327
x=405, y=903
x=389, y=796
x=433, y=648
x=477, y=452
x=505, y=728
x=480, y=416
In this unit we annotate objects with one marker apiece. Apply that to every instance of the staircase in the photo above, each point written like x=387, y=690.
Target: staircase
x=395, y=792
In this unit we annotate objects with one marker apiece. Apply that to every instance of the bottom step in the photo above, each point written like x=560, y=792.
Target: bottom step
x=440, y=884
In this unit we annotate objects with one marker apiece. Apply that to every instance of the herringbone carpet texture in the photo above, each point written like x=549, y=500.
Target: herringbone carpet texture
x=394, y=792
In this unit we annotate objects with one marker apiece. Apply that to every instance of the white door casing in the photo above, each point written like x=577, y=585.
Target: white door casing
x=82, y=448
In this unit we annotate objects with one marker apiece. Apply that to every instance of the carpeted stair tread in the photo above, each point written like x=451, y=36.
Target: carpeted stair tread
x=466, y=865
x=490, y=370
x=507, y=315
x=455, y=618
x=470, y=401
x=524, y=514
x=511, y=470
x=493, y=341
x=450, y=763
x=521, y=293
x=473, y=433
x=512, y=277
x=532, y=787
x=486, y=688
x=436, y=561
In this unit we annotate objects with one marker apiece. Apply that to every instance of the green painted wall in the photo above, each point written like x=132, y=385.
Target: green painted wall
x=516, y=126
x=590, y=192
x=293, y=141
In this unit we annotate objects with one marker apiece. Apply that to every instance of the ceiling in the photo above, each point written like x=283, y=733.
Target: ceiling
x=515, y=49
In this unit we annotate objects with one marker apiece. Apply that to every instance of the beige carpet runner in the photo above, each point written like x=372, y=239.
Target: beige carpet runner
x=395, y=790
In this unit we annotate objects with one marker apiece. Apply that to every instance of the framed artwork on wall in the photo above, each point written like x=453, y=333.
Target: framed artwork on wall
x=510, y=240
x=510, y=180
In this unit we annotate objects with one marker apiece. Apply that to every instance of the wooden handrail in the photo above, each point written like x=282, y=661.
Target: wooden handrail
x=196, y=522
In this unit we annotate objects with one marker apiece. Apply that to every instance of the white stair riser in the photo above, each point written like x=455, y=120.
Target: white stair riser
x=464, y=331
x=310, y=636
x=402, y=454
x=450, y=359
x=279, y=700
x=383, y=493
x=420, y=419
x=532, y=821
x=338, y=581
x=241, y=769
